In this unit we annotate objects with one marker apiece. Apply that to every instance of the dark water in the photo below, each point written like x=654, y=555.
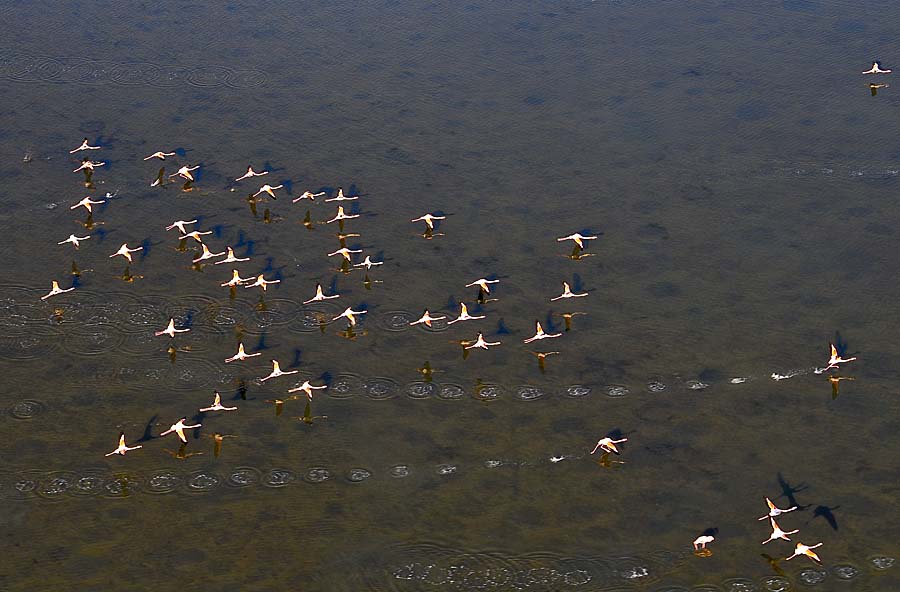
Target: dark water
x=741, y=177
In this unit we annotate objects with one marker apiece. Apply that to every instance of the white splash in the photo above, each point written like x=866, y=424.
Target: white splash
x=794, y=372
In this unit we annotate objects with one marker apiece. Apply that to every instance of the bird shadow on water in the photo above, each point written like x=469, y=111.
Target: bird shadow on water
x=262, y=344
x=268, y=166
x=218, y=230
x=439, y=223
x=199, y=174
x=104, y=141
x=618, y=434
x=841, y=345
x=828, y=514
x=187, y=319
x=577, y=283
x=148, y=429
x=147, y=246
x=332, y=286
x=243, y=241
x=197, y=418
x=788, y=491
x=101, y=233
x=369, y=308
x=270, y=268
x=549, y=324
x=240, y=391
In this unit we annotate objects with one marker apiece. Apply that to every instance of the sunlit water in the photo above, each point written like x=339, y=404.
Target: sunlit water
x=741, y=177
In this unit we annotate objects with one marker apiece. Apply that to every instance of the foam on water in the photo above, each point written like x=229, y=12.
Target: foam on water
x=345, y=385
x=845, y=571
x=278, y=478
x=26, y=409
x=776, y=584
x=529, y=393
x=163, y=481
x=380, y=388
x=192, y=374
x=358, y=475
x=317, y=475
x=102, y=327
x=399, y=471
x=421, y=390
x=615, y=391
x=244, y=477
x=489, y=392
x=451, y=392
x=439, y=566
x=792, y=373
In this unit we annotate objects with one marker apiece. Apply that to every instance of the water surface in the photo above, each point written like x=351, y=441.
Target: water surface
x=732, y=159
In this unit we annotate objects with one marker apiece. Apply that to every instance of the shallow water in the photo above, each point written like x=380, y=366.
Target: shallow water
x=742, y=180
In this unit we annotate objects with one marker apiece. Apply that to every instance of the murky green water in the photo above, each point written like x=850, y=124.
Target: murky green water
x=742, y=179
